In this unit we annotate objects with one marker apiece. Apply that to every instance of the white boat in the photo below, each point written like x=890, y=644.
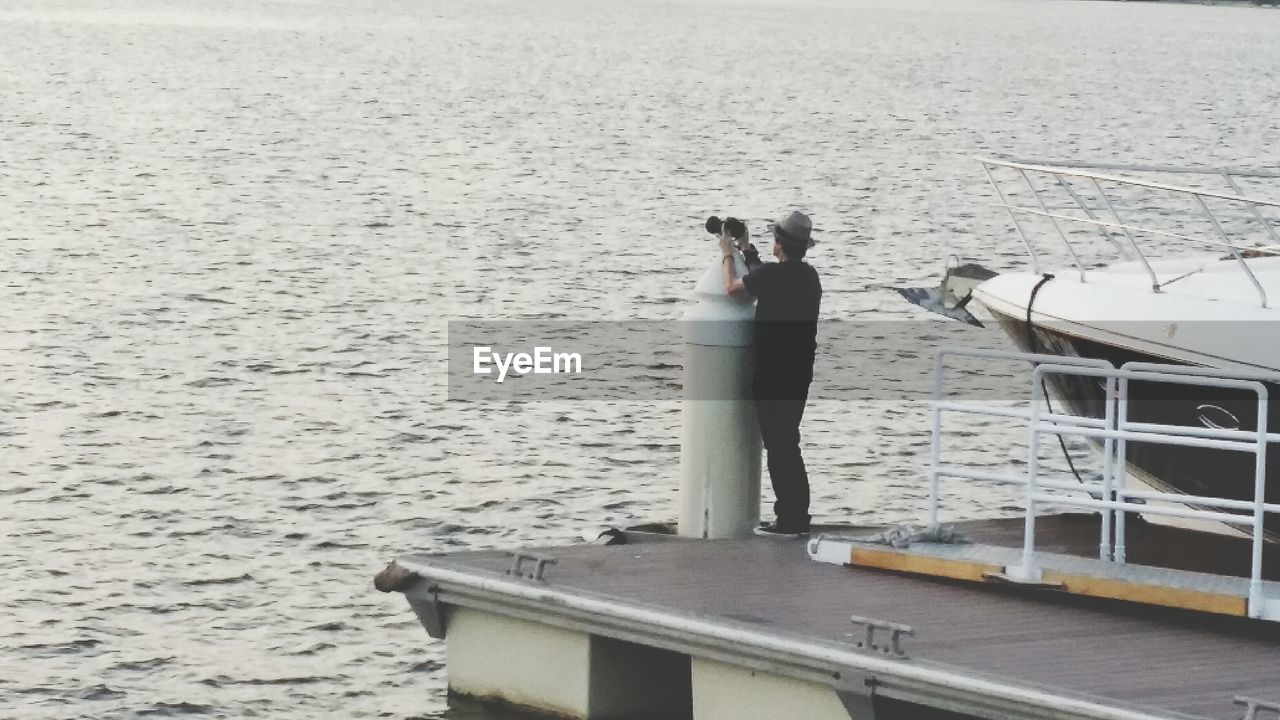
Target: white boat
x=1187, y=274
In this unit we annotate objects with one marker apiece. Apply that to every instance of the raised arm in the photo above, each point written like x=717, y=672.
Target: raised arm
x=732, y=283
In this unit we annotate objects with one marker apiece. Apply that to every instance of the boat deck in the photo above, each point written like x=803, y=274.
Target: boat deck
x=1140, y=660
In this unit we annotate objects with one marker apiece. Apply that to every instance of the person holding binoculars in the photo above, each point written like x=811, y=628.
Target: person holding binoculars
x=787, y=295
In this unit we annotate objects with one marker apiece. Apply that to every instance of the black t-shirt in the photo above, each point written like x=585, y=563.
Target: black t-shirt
x=786, y=328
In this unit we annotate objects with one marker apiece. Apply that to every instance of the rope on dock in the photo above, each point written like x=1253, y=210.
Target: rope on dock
x=902, y=536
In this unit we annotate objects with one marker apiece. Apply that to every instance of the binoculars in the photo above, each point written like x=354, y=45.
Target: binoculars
x=735, y=227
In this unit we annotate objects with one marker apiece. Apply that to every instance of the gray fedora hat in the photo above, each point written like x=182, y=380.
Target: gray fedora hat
x=794, y=227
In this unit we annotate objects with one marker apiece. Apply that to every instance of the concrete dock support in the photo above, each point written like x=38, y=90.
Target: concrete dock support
x=560, y=672
x=572, y=674
x=730, y=692
x=720, y=438
x=496, y=658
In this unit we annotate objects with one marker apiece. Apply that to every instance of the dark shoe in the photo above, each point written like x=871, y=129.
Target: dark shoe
x=772, y=530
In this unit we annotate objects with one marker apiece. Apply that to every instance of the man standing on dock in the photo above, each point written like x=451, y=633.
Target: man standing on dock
x=787, y=296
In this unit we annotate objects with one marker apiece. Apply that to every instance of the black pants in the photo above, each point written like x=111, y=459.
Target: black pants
x=780, y=405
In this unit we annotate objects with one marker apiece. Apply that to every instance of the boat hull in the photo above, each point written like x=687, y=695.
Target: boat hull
x=1170, y=468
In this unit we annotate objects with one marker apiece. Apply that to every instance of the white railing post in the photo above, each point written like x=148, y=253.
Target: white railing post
x=1026, y=242
x=1124, y=252
x=1226, y=238
x=935, y=445
x=1256, y=599
x=1061, y=233
x=1122, y=419
x=1155, y=282
x=1028, y=571
x=1253, y=207
x=1108, y=484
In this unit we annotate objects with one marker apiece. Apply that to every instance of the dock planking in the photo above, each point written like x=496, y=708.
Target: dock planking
x=1169, y=662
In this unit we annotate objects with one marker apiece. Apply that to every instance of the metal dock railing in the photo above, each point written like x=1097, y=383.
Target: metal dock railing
x=1112, y=495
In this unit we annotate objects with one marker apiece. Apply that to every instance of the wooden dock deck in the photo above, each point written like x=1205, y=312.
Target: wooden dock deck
x=1089, y=658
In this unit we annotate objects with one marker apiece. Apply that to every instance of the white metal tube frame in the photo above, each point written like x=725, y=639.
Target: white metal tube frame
x=938, y=405
x=1078, y=172
x=1063, y=174
x=1116, y=430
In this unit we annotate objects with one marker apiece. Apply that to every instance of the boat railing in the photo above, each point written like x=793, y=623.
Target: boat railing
x=1092, y=195
x=1111, y=494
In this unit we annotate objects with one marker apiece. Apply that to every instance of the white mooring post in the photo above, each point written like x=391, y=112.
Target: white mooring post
x=719, y=439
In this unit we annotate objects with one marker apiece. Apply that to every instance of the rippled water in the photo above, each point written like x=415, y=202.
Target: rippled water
x=233, y=233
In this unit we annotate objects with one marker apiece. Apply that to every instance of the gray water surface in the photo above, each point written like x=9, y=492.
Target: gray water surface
x=233, y=233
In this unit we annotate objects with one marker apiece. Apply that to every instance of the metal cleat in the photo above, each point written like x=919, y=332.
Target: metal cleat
x=895, y=631
x=540, y=565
